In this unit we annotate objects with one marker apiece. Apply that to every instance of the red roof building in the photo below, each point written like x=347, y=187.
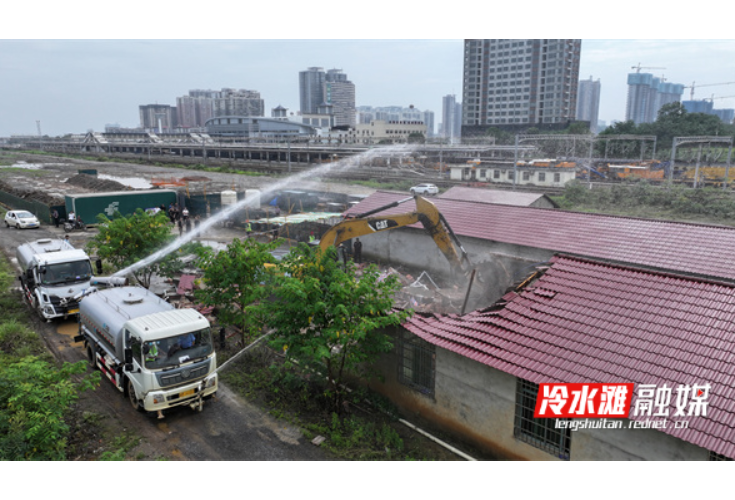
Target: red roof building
x=590, y=322
x=695, y=249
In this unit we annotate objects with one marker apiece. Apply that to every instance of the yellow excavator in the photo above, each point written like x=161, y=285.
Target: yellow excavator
x=426, y=213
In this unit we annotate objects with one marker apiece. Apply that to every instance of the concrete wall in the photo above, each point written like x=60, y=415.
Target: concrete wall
x=632, y=444
x=499, y=265
x=476, y=403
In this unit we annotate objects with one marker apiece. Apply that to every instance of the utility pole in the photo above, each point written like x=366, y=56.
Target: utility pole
x=40, y=140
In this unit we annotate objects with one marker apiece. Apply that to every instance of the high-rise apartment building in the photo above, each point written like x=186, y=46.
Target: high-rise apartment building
x=516, y=83
x=157, y=117
x=311, y=89
x=195, y=109
x=333, y=88
x=588, y=102
x=646, y=95
x=451, y=117
x=241, y=102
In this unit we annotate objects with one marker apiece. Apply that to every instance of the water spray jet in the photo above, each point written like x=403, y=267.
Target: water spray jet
x=342, y=165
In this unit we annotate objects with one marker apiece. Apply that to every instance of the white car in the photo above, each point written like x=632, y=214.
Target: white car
x=424, y=189
x=21, y=219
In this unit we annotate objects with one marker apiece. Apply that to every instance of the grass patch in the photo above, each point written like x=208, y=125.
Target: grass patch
x=644, y=200
x=367, y=430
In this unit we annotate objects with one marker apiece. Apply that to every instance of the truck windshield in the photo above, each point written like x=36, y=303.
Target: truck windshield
x=66, y=272
x=173, y=351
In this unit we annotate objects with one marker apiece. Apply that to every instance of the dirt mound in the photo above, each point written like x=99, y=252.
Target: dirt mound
x=93, y=183
x=39, y=196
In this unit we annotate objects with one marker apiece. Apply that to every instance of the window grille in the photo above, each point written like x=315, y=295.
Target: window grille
x=416, y=363
x=538, y=432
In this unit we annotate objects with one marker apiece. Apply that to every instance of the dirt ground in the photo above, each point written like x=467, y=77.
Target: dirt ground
x=52, y=178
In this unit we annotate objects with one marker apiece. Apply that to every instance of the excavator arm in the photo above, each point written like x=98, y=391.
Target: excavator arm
x=426, y=213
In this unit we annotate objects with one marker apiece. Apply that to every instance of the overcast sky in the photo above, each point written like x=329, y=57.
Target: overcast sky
x=74, y=85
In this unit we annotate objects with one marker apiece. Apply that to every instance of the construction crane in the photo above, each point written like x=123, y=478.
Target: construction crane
x=721, y=97
x=693, y=85
x=639, y=67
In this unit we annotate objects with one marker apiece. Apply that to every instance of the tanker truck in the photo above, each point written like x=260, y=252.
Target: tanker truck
x=158, y=356
x=53, y=272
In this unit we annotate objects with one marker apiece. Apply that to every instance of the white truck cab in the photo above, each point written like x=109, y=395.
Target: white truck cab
x=53, y=273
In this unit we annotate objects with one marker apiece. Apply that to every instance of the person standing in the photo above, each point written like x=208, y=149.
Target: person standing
x=55, y=216
x=357, y=249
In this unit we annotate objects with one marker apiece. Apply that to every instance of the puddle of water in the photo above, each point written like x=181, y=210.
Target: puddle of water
x=27, y=166
x=68, y=328
x=133, y=182
x=35, y=166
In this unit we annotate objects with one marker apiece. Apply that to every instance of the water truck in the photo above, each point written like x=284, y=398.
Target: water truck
x=158, y=356
x=53, y=273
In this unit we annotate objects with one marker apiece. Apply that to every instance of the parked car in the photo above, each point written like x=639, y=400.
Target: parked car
x=21, y=219
x=425, y=189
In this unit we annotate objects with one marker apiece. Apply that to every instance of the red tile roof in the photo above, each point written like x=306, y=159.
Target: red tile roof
x=686, y=248
x=586, y=321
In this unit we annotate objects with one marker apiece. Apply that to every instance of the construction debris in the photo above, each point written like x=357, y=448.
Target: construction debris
x=422, y=294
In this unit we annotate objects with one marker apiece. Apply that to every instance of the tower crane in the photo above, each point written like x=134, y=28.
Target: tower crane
x=639, y=67
x=721, y=97
x=693, y=85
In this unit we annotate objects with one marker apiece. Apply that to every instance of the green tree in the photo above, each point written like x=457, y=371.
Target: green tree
x=123, y=241
x=236, y=281
x=34, y=399
x=416, y=138
x=328, y=319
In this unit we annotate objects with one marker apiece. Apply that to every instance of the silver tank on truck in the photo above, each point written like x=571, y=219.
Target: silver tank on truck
x=53, y=274
x=158, y=355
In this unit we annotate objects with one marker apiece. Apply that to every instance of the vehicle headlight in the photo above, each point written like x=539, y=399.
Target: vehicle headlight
x=209, y=382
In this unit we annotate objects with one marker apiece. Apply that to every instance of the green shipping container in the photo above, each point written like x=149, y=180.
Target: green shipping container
x=89, y=205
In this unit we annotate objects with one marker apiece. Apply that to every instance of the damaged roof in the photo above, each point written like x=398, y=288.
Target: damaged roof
x=591, y=322
x=696, y=249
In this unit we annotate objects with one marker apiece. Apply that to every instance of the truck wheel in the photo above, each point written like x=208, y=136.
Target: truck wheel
x=91, y=361
x=131, y=396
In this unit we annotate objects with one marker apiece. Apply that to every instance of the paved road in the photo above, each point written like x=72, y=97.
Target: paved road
x=229, y=428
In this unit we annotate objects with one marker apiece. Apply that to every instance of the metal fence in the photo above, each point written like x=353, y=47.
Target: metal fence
x=40, y=210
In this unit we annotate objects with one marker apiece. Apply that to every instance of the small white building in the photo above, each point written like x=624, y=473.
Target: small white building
x=528, y=174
